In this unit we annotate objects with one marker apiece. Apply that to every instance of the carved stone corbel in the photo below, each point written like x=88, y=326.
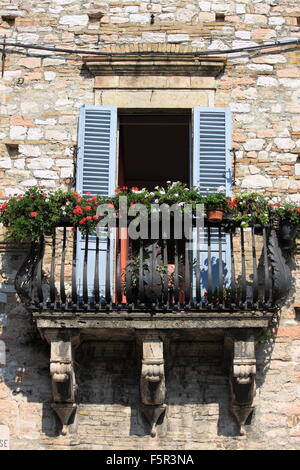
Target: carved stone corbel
x=63, y=344
x=152, y=382
x=242, y=378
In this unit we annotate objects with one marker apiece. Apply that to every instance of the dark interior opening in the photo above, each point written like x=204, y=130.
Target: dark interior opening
x=154, y=149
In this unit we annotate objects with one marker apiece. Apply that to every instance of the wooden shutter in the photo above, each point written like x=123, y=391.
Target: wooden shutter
x=96, y=173
x=211, y=149
x=211, y=169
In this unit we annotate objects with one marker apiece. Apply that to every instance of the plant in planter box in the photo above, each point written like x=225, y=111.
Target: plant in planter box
x=216, y=204
x=288, y=215
x=28, y=216
x=250, y=208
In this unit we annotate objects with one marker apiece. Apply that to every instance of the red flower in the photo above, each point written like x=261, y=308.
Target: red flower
x=276, y=204
x=132, y=204
x=87, y=208
x=73, y=229
x=95, y=217
x=298, y=210
x=232, y=203
x=88, y=217
x=33, y=214
x=135, y=188
x=77, y=210
x=82, y=221
x=88, y=193
x=20, y=196
x=3, y=207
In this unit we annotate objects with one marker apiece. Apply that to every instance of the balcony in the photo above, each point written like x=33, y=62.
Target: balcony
x=232, y=270
x=82, y=288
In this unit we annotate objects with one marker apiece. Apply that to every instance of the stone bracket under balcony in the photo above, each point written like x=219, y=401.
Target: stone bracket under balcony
x=242, y=372
x=63, y=343
x=153, y=360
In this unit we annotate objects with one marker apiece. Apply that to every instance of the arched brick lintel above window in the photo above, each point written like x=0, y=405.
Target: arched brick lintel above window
x=154, y=59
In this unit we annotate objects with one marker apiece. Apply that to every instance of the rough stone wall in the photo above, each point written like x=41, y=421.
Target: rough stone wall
x=40, y=100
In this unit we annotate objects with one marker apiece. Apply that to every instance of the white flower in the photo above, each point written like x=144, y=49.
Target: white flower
x=162, y=192
x=156, y=187
x=176, y=195
x=156, y=201
x=221, y=188
x=168, y=182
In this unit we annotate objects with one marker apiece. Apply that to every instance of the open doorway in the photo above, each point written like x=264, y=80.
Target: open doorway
x=154, y=148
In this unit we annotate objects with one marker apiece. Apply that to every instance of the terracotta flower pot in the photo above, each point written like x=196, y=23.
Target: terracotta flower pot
x=215, y=215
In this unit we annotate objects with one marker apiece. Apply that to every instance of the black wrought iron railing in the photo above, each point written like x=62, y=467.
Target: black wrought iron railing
x=223, y=267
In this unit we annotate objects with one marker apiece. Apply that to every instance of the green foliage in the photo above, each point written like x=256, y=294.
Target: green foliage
x=216, y=201
x=251, y=208
x=29, y=216
x=287, y=211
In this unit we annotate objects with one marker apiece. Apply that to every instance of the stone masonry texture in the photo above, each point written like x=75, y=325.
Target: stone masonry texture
x=40, y=97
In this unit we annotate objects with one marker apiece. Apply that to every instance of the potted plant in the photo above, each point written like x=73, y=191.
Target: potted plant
x=216, y=204
x=288, y=215
x=250, y=208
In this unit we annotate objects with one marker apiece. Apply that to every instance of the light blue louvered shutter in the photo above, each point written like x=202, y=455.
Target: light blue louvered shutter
x=96, y=173
x=211, y=149
x=211, y=170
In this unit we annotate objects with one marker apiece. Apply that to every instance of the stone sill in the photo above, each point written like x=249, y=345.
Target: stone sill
x=211, y=320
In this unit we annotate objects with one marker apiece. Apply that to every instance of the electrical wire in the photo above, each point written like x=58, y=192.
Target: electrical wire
x=112, y=54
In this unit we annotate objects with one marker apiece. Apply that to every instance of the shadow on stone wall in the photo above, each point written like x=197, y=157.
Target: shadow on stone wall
x=197, y=389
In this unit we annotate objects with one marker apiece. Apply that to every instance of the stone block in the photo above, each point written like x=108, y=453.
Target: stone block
x=74, y=20
x=154, y=99
x=256, y=181
x=29, y=150
x=30, y=62
x=267, y=81
x=5, y=163
x=45, y=174
x=254, y=144
x=255, y=19
x=284, y=143
x=40, y=164
x=206, y=17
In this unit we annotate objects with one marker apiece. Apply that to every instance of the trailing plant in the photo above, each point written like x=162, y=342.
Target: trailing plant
x=287, y=212
x=250, y=208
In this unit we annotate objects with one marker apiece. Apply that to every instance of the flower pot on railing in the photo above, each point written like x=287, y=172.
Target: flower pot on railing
x=215, y=214
x=287, y=230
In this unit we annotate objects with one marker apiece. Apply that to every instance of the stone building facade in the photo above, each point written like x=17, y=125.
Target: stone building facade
x=41, y=94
